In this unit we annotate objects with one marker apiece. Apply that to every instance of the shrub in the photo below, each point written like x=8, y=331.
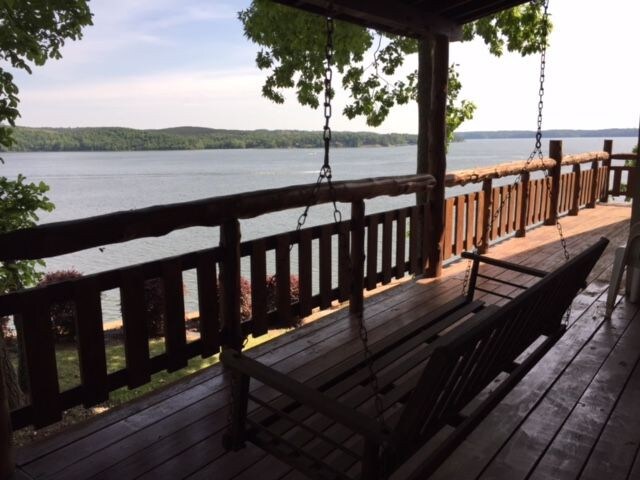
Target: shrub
x=245, y=299
x=154, y=306
x=272, y=286
x=63, y=314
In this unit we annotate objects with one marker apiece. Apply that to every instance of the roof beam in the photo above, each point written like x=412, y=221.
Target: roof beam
x=389, y=16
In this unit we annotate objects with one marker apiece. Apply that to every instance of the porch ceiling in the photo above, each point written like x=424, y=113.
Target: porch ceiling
x=414, y=18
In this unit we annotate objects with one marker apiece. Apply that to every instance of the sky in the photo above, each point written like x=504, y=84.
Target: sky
x=164, y=63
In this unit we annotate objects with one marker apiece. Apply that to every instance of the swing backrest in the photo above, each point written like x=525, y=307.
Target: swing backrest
x=470, y=357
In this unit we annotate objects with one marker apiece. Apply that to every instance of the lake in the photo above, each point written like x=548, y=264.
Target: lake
x=84, y=184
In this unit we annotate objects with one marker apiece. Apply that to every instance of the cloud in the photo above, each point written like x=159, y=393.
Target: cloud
x=213, y=98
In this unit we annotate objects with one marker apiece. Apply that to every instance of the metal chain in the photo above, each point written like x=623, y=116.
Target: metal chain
x=326, y=174
x=535, y=153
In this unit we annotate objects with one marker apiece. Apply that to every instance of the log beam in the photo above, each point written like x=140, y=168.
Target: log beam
x=392, y=17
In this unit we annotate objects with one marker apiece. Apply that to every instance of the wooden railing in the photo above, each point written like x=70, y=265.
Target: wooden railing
x=218, y=282
x=370, y=250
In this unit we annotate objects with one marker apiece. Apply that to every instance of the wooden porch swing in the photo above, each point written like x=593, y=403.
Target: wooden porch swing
x=417, y=392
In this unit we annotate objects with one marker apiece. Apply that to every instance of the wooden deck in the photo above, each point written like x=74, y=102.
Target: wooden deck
x=572, y=416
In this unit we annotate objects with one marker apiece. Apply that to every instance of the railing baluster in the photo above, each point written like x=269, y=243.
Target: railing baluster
x=447, y=247
x=174, y=322
x=40, y=356
x=617, y=181
x=90, y=335
x=356, y=300
x=414, y=239
x=495, y=217
x=372, y=251
x=305, y=272
x=230, y=283
x=593, y=194
x=523, y=205
x=387, y=246
x=577, y=190
x=325, y=262
x=136, y=330
x=401, y=233
x=470, y=202
x=208, y=304
x=259, y=287
x=486, y=215
x=606, y=164
x=283, y=278
x=344, y=282
x=555, y=152
x=513, y=206
x=460, y=215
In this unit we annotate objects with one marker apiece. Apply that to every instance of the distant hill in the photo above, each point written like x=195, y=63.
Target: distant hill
x=201, y=138
x=188, y=138
x=607, y=132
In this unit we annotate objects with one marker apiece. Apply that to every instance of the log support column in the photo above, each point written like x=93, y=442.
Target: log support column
x=434, y=63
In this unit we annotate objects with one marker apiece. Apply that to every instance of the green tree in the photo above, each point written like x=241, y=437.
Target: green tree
x=292, y=47
x=33, y=31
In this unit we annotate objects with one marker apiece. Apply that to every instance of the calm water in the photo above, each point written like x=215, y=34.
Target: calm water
x=91, y=183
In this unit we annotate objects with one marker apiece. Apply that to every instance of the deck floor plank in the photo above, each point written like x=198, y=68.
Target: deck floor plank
x=617, y=446
x=176, y=433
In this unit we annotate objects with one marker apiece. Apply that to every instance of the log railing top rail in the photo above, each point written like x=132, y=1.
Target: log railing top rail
x=473, y=175
x=59, y=238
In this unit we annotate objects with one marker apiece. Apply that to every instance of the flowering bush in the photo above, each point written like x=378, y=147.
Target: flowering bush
x=63, y=314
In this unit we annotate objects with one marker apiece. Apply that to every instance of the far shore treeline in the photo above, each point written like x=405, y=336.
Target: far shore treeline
x=29, y=139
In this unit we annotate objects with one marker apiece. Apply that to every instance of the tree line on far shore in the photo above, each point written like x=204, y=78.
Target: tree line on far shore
x=188, y=138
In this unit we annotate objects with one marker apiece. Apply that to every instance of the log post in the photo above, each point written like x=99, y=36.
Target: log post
x=356, y=298
x=577, y=188
x=7, y=461
x=608, y=147
x=487, y=198
x=437, y=152
x=230, y=284
x=555, y=152
x=523, y=198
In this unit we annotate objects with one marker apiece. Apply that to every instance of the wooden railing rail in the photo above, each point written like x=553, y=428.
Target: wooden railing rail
x=65, y=237
x=351, y=256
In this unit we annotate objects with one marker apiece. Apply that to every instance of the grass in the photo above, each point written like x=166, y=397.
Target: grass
x=69, y=377
x=69, y=370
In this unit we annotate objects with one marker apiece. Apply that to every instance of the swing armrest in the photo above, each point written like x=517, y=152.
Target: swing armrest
x=300, y=392
x=503, y=264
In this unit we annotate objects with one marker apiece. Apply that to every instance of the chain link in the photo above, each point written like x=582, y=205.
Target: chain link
x=535, y=153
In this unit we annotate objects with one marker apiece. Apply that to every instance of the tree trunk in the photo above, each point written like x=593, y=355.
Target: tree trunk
x=7, y=382
x=14, y=394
